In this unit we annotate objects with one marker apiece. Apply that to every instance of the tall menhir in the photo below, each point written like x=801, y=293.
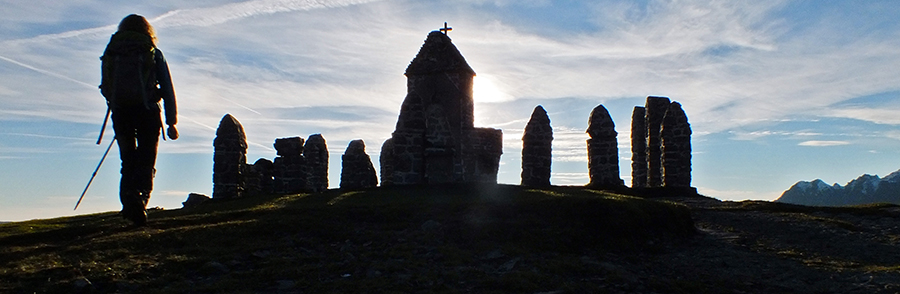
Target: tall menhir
x=603, y=150
x=661, y=145
x=537, y=142
x=229, y=158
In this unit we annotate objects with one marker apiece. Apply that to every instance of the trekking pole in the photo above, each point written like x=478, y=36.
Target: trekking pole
x=95, y=170
x=103, y=128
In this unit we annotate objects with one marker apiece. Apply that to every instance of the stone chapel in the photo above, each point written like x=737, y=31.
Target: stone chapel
x=435, y=140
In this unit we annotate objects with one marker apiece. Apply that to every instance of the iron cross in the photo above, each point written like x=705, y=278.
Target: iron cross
x=445, y=29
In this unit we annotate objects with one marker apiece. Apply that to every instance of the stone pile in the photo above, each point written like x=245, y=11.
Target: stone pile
x=316, y=153
x=357, y=171
x=435, y=140
x=289, y=169
x=258, y=177
x=603, y=150
x=664, y=134
x=536, y=149
x=229, y=158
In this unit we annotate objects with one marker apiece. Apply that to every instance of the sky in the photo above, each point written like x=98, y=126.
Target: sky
x=775, y=91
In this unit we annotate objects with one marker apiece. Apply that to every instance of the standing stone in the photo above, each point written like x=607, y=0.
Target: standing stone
x=386, y=160
x=536, y=149
x=357, y=171
x=676, y=148
x=289, y=168
x=656, y=109
x=316, y=154
x=435, y=140
x=229, y=158
x=638, y=148
x=603, y=150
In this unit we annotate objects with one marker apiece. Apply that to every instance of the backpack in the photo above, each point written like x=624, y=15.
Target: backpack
x=127, y=69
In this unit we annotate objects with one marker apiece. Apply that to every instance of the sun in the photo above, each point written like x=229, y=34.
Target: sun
x=485, y=89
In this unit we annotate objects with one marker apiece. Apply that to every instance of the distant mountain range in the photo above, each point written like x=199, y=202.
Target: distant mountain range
x=863, y=190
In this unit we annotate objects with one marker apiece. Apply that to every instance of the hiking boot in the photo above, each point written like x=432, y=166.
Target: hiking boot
x=140, y=218
x=133, y=208
x=135, y=215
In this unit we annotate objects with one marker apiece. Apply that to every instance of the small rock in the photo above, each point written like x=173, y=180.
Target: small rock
x=609, y=267
x=81, y=283
x=261, y=254
x=194, y=200
x=285, y=284
x=213, y=267
x=509, y=265
x=495, y=254
x=372, y=273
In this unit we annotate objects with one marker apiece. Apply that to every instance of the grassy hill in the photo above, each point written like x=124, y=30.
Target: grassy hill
x=491, y=238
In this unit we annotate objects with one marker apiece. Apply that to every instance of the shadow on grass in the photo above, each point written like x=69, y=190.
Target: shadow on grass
x=402, y=238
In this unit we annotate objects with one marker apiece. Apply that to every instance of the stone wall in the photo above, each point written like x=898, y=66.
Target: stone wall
x=537, y=144
x=603, y=150
x=229, y=158
x=258, y=177
x=386, y=161
x=482, y=161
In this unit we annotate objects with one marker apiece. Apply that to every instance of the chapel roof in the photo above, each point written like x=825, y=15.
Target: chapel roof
x=438, y=54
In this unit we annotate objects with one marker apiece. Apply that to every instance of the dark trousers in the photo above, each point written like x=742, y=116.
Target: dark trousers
x=137, y=133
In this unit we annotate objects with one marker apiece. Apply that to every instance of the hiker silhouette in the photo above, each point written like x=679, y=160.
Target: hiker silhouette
x=135, y=77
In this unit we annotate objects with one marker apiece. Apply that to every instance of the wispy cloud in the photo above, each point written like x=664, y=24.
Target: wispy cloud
x=207, y=16
x=48, y=72
x=887, y=116
x=823, y=143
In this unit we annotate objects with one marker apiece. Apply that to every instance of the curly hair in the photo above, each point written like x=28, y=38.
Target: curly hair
x=137, y=23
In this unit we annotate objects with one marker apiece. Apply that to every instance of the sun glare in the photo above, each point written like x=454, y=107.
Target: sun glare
x=485, y=89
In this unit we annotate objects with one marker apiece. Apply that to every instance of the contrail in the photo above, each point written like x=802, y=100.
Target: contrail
x=199, y=123
x=49, y=73
x=241, y=105
x=46, y=136
x=208, y=16
x=220, y=14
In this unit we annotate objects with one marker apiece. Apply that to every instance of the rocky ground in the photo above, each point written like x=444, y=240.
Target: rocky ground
x=761, y=247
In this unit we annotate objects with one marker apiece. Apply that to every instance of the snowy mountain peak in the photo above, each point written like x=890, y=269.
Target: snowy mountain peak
x=865, y=184
x=893, y=177
x=862, y=190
